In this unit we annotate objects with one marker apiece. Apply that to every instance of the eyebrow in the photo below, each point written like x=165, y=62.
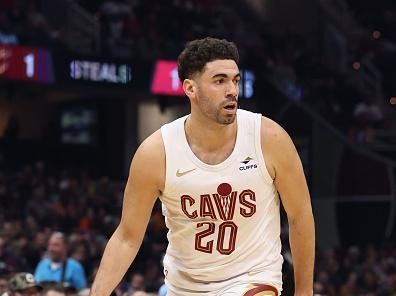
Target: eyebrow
x=225, y=75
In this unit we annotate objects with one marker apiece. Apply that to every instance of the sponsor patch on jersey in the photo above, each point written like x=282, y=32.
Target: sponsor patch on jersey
x=247, y=164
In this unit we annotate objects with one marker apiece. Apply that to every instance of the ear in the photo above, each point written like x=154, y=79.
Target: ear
x=189, y=88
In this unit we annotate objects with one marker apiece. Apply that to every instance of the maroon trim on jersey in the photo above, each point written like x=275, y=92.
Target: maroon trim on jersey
x=259, y=288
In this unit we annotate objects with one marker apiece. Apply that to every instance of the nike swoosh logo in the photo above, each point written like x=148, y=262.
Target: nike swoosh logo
x=179, y=173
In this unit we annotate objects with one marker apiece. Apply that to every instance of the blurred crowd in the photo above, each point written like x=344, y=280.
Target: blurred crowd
x=48, y=218
x=36, y=204
x=150, y=29
x=353, y=271
x=23, y=22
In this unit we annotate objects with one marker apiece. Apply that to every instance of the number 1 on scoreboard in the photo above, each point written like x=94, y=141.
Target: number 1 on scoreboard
x=29, y=61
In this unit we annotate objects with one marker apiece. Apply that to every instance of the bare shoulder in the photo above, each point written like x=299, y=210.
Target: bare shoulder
x=272, y=132
x=149, y=159
x=276, y=144
x=152, y=146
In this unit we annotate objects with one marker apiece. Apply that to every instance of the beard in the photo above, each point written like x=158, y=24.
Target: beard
x=218, y=114
x=227, y=116
x=226, y=119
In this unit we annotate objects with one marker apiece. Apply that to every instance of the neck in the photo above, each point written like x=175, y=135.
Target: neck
x=208, y=135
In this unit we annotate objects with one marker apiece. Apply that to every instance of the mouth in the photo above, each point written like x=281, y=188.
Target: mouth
x=232, y=106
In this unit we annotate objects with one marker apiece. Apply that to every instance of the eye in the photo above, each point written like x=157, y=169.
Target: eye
x=219, y=81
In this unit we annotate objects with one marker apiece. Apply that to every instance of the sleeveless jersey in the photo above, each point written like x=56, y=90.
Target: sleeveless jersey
x=223, y=219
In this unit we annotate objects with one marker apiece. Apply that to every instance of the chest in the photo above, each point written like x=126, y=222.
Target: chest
x=215, y=156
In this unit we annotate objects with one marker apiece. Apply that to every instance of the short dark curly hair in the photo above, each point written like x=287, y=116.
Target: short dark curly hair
x=197, y=53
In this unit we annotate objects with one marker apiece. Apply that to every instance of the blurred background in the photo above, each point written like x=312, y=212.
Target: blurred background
x=83, y=82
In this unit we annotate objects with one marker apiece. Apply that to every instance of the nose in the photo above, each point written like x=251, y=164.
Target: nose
x=232, y=90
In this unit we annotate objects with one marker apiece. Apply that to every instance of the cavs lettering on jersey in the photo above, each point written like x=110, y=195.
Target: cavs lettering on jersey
x=223, y=219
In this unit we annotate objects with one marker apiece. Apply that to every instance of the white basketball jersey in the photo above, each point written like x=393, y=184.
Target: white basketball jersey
x=223, y=219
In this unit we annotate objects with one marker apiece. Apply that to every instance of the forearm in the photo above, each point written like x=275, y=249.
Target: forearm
x=302, y=243
x=117, y=258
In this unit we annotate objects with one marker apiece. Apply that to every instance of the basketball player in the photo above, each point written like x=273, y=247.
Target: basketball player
x=217, y=172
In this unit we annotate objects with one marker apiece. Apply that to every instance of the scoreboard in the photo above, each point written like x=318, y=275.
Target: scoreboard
x=43, y=66
x=25, y=63
x=54, y=67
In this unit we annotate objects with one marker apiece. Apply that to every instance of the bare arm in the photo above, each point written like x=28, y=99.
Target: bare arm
x=285, y=166
x=146, y=177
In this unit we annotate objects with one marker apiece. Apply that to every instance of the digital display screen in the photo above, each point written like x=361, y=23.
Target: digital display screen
x=246, y=84
x=78, y=125
x=25, y=63
x=97, y=71
x=166, y=79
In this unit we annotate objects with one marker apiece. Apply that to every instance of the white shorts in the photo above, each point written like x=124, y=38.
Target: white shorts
x=250, y=284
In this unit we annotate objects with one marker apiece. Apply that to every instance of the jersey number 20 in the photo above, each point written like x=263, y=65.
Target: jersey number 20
x=225, y=240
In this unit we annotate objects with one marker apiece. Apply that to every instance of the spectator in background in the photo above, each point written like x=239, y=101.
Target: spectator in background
x=367, y=117
x=58, y=267
x=3, y=284
x=136, y=284
x=113, y=15
x=23, y=284
x=162, y=290
x=8, y=259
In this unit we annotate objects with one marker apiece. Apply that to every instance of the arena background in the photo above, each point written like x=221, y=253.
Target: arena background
x=82, y=83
